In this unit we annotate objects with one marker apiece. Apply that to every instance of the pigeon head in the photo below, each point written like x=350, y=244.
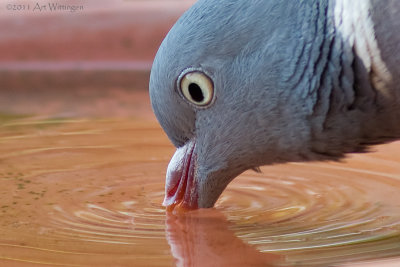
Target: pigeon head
x=217, y=88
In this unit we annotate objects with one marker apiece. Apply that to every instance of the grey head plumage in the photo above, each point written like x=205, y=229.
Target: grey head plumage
x=240, y=84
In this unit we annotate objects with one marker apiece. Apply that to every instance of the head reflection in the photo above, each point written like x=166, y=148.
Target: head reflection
x=203, y=238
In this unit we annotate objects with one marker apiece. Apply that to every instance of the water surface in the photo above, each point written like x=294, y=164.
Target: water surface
x=88, y=192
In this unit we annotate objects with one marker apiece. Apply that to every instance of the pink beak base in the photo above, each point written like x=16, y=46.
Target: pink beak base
x=181, y=184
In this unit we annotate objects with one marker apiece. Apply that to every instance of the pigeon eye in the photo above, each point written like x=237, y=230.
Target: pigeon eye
x=197, y=88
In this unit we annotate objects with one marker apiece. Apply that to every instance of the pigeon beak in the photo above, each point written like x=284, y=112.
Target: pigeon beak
x=181, y=188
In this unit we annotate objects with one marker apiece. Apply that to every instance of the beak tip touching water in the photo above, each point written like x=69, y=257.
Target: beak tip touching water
x=181, y=187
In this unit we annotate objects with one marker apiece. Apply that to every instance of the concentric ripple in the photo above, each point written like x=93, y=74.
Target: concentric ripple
x=335, y=209
x=83, y=192
x=78, y=192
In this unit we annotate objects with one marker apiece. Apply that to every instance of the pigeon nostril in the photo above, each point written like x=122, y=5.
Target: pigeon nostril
x=195, y=92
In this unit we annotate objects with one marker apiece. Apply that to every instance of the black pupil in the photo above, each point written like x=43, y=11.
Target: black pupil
x=195, y=92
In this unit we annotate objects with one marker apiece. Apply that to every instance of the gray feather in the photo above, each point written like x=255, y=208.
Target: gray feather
x=294, y=81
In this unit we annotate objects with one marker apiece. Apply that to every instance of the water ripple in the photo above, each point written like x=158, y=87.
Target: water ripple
x=91, y=190
x=298, y=208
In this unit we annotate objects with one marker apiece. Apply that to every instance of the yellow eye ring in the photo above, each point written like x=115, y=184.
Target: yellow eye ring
x=197, y=88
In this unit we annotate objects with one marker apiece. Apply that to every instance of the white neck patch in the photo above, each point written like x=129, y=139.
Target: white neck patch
x=354, y=22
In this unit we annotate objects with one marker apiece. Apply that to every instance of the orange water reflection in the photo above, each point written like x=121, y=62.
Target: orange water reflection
x=203, y=238
x=82, y=179
x=86, y=191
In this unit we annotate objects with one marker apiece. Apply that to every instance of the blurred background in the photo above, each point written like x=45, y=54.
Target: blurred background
x=81, y=58
x=92, y=58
